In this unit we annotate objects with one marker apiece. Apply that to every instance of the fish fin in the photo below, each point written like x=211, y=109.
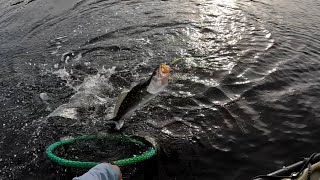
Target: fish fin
x=119, y=101
x=112, y=123
x=119, y=124
x=174, y=77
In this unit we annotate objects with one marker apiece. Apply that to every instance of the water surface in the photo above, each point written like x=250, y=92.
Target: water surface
x=244, y=102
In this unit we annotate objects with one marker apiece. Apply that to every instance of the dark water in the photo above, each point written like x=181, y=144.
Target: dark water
x=245, y=100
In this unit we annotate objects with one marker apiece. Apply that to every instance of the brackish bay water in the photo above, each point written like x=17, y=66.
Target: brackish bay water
x=244, y=102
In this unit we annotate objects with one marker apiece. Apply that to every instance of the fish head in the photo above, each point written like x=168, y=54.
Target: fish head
x=159, y=79
x=163, y=71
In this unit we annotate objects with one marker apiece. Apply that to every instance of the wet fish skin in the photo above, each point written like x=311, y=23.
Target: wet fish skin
x=137, y=97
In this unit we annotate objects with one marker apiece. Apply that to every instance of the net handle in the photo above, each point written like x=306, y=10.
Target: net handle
x=87, y=165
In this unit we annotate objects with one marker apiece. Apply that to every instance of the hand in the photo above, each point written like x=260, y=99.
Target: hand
x=117, y=168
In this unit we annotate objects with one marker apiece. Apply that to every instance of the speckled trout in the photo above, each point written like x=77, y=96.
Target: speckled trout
x=140, y=95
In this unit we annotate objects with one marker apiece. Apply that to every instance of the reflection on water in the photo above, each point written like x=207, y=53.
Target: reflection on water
x=244, y=96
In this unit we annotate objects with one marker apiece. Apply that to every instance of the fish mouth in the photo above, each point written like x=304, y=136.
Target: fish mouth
x=164, y=69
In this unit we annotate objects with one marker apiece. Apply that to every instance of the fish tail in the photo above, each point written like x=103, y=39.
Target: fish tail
x=114, y=123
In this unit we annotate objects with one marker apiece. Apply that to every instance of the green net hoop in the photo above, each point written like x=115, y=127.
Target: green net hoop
x=87, y=165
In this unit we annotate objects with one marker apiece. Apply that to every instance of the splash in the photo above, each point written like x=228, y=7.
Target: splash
x=92, y=93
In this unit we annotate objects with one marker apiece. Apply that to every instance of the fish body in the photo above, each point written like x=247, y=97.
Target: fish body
x=141, y=94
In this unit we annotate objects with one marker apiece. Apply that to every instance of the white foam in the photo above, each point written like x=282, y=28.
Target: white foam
x=92, y=92
x=62, y=73
x=66, y=112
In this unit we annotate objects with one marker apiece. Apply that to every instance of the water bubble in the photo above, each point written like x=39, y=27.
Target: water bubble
x=44, y=96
